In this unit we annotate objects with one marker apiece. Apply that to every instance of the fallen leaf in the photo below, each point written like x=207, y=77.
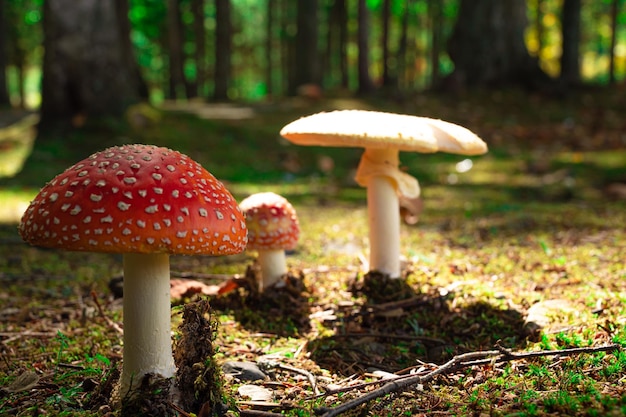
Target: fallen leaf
x=180, y=287
x=255, y=392
x=25, y=381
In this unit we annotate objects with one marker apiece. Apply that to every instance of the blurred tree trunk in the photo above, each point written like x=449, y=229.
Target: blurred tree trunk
x=5, y=100
x=306, y=69
x=436, y=35
x=177, y=84
x=570, y=35
x=199, y=56
x=128, y=53
x=223, y=46
x=269, y=48
x=614, y=15
x=487, y=46
x=366, y=85
x=287, y=55
x=387, y=80
x=539, y=28
x=336, y=49
x=86, y=75
x=341, y=14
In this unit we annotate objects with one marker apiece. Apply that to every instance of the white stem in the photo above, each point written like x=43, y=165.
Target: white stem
x=147, y=319
x=273, y=265
x=384, y=216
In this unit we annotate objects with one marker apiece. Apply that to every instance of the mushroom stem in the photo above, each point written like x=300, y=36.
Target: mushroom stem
x=273, y=265
x=147, y=319
x=383, y=212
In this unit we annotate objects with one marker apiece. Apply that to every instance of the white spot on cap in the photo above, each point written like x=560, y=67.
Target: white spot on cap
x=219, y=215
x=157, y=176
x=95, y=197
x=130, y=180
x=123, y=206
x=107, y=219
x=75, y=210
x=181, y=234
x=152, y=209
x=203, y=212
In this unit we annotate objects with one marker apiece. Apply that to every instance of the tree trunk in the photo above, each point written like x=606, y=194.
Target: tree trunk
x=570, y=34
x=176, y=86
x=306, y=70
x=341, y=12
x=387, y=79
x=128, y=53
x=223, y=39
x=269, y=50
x=436, y=27
x=5, y=100
x=539, y=28
x=85, y=73
x=487, y=45
x=614, y=14
x=365, y=81
x=199, y=32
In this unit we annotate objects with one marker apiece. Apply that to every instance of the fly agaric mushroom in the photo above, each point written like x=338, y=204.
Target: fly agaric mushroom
x=383, y=135
x=145, y=202
x=272, y=228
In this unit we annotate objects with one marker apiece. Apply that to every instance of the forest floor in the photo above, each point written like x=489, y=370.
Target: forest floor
x=513, y=302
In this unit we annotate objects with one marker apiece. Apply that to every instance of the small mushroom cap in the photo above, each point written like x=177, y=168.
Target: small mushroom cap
x=136, y=198
x=272, y=222
x=372, y=129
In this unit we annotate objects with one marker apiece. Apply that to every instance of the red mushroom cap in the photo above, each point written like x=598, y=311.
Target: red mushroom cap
x=136, y=198
x=272, y=222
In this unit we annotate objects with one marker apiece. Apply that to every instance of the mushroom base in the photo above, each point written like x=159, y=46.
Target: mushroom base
x=147, y=320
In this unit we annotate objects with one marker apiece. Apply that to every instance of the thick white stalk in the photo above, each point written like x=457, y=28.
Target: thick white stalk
x=383, y=215
x=273, y=265
x=147, y=319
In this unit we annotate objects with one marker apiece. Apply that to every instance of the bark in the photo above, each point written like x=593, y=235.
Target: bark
x=614, y=14
x=341, y=11
x=570, y=33
x=199, y=31
x=539, y=28
x=128, y=53
x=365, y=81
x=223, y=46
x=269, y=50
x=85, y=73
x=176, y=87
x=5, y=100
x=306, y=69
x=487, y=45
x=436, y=35
x=336, y=48
x=386, y=23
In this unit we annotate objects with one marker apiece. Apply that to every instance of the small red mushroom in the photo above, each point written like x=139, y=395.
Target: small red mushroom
x=145, y=202
x=272, y=228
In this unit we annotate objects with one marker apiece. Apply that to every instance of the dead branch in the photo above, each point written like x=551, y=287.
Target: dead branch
x=499, y=355
x=106, y=318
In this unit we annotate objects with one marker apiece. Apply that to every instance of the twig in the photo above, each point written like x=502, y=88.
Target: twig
x=110, y=322
x=309, y=375
x=391, y=336
x=460, y=361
